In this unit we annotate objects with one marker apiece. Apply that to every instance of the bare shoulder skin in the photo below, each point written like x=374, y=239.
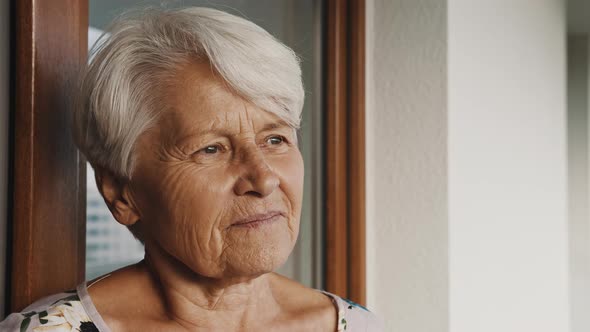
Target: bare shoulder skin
x=130, y=300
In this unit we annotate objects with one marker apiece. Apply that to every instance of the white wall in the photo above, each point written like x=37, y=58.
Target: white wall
x=467, y=179
x=4, y=51
x=578, y=168
x=507, y=166
x=407, y=265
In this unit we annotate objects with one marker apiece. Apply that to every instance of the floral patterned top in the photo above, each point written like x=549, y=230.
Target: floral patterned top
x=354, y=317
x=73, y=311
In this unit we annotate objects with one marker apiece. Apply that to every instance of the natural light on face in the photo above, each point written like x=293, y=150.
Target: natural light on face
x=211, y=161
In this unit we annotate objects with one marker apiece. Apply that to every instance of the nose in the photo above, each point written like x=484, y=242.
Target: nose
x=256, y=176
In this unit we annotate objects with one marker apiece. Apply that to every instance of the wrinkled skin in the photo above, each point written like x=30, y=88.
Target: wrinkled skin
x=211, y=159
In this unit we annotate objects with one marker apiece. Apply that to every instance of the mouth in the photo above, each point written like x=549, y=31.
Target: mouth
x=258, y=220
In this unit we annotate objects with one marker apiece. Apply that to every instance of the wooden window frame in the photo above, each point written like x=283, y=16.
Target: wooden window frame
x=47, y=214
x=345, y=149
x=47, y=211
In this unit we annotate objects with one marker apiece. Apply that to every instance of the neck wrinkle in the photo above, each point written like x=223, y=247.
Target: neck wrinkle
x=195, y=301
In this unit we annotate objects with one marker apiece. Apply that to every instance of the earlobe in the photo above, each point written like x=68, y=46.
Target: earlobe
x=124, y=213
x=116, y=195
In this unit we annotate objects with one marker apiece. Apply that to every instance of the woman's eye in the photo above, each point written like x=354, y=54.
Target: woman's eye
x=210, y=149
x=276, y=140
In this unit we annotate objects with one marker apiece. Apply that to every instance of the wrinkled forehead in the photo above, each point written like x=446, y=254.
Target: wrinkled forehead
x=197, y=100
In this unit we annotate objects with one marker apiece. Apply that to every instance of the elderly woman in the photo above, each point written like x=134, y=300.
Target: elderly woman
x=189, y=118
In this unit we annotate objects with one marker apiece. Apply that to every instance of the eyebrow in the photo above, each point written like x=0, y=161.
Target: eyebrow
x=274, y=125
x=223, y=132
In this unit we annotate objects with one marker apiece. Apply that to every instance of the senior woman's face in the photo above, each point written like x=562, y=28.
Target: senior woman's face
x=211, y=165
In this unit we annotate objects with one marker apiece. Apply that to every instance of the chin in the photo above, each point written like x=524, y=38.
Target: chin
x=260, y=251
x=259, y=260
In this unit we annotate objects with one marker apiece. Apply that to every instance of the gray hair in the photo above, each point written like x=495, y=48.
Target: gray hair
x=117, y=100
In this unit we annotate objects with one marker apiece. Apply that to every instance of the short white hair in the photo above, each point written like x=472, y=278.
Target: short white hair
x=118, y=97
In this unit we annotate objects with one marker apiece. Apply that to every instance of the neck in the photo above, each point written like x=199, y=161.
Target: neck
x=195, y=301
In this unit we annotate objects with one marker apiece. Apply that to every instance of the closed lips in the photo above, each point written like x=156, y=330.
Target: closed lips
x=257, y=217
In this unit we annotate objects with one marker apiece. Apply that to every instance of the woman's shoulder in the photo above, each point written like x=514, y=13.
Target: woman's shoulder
x=354, y=317
x=58, y=312
x=350, y=316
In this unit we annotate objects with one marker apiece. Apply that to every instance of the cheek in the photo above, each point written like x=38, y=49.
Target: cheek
x=182, y=194
x=291, y=171
x=183, y=208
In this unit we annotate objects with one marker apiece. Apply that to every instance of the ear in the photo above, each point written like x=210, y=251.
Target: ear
x=117, y=196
